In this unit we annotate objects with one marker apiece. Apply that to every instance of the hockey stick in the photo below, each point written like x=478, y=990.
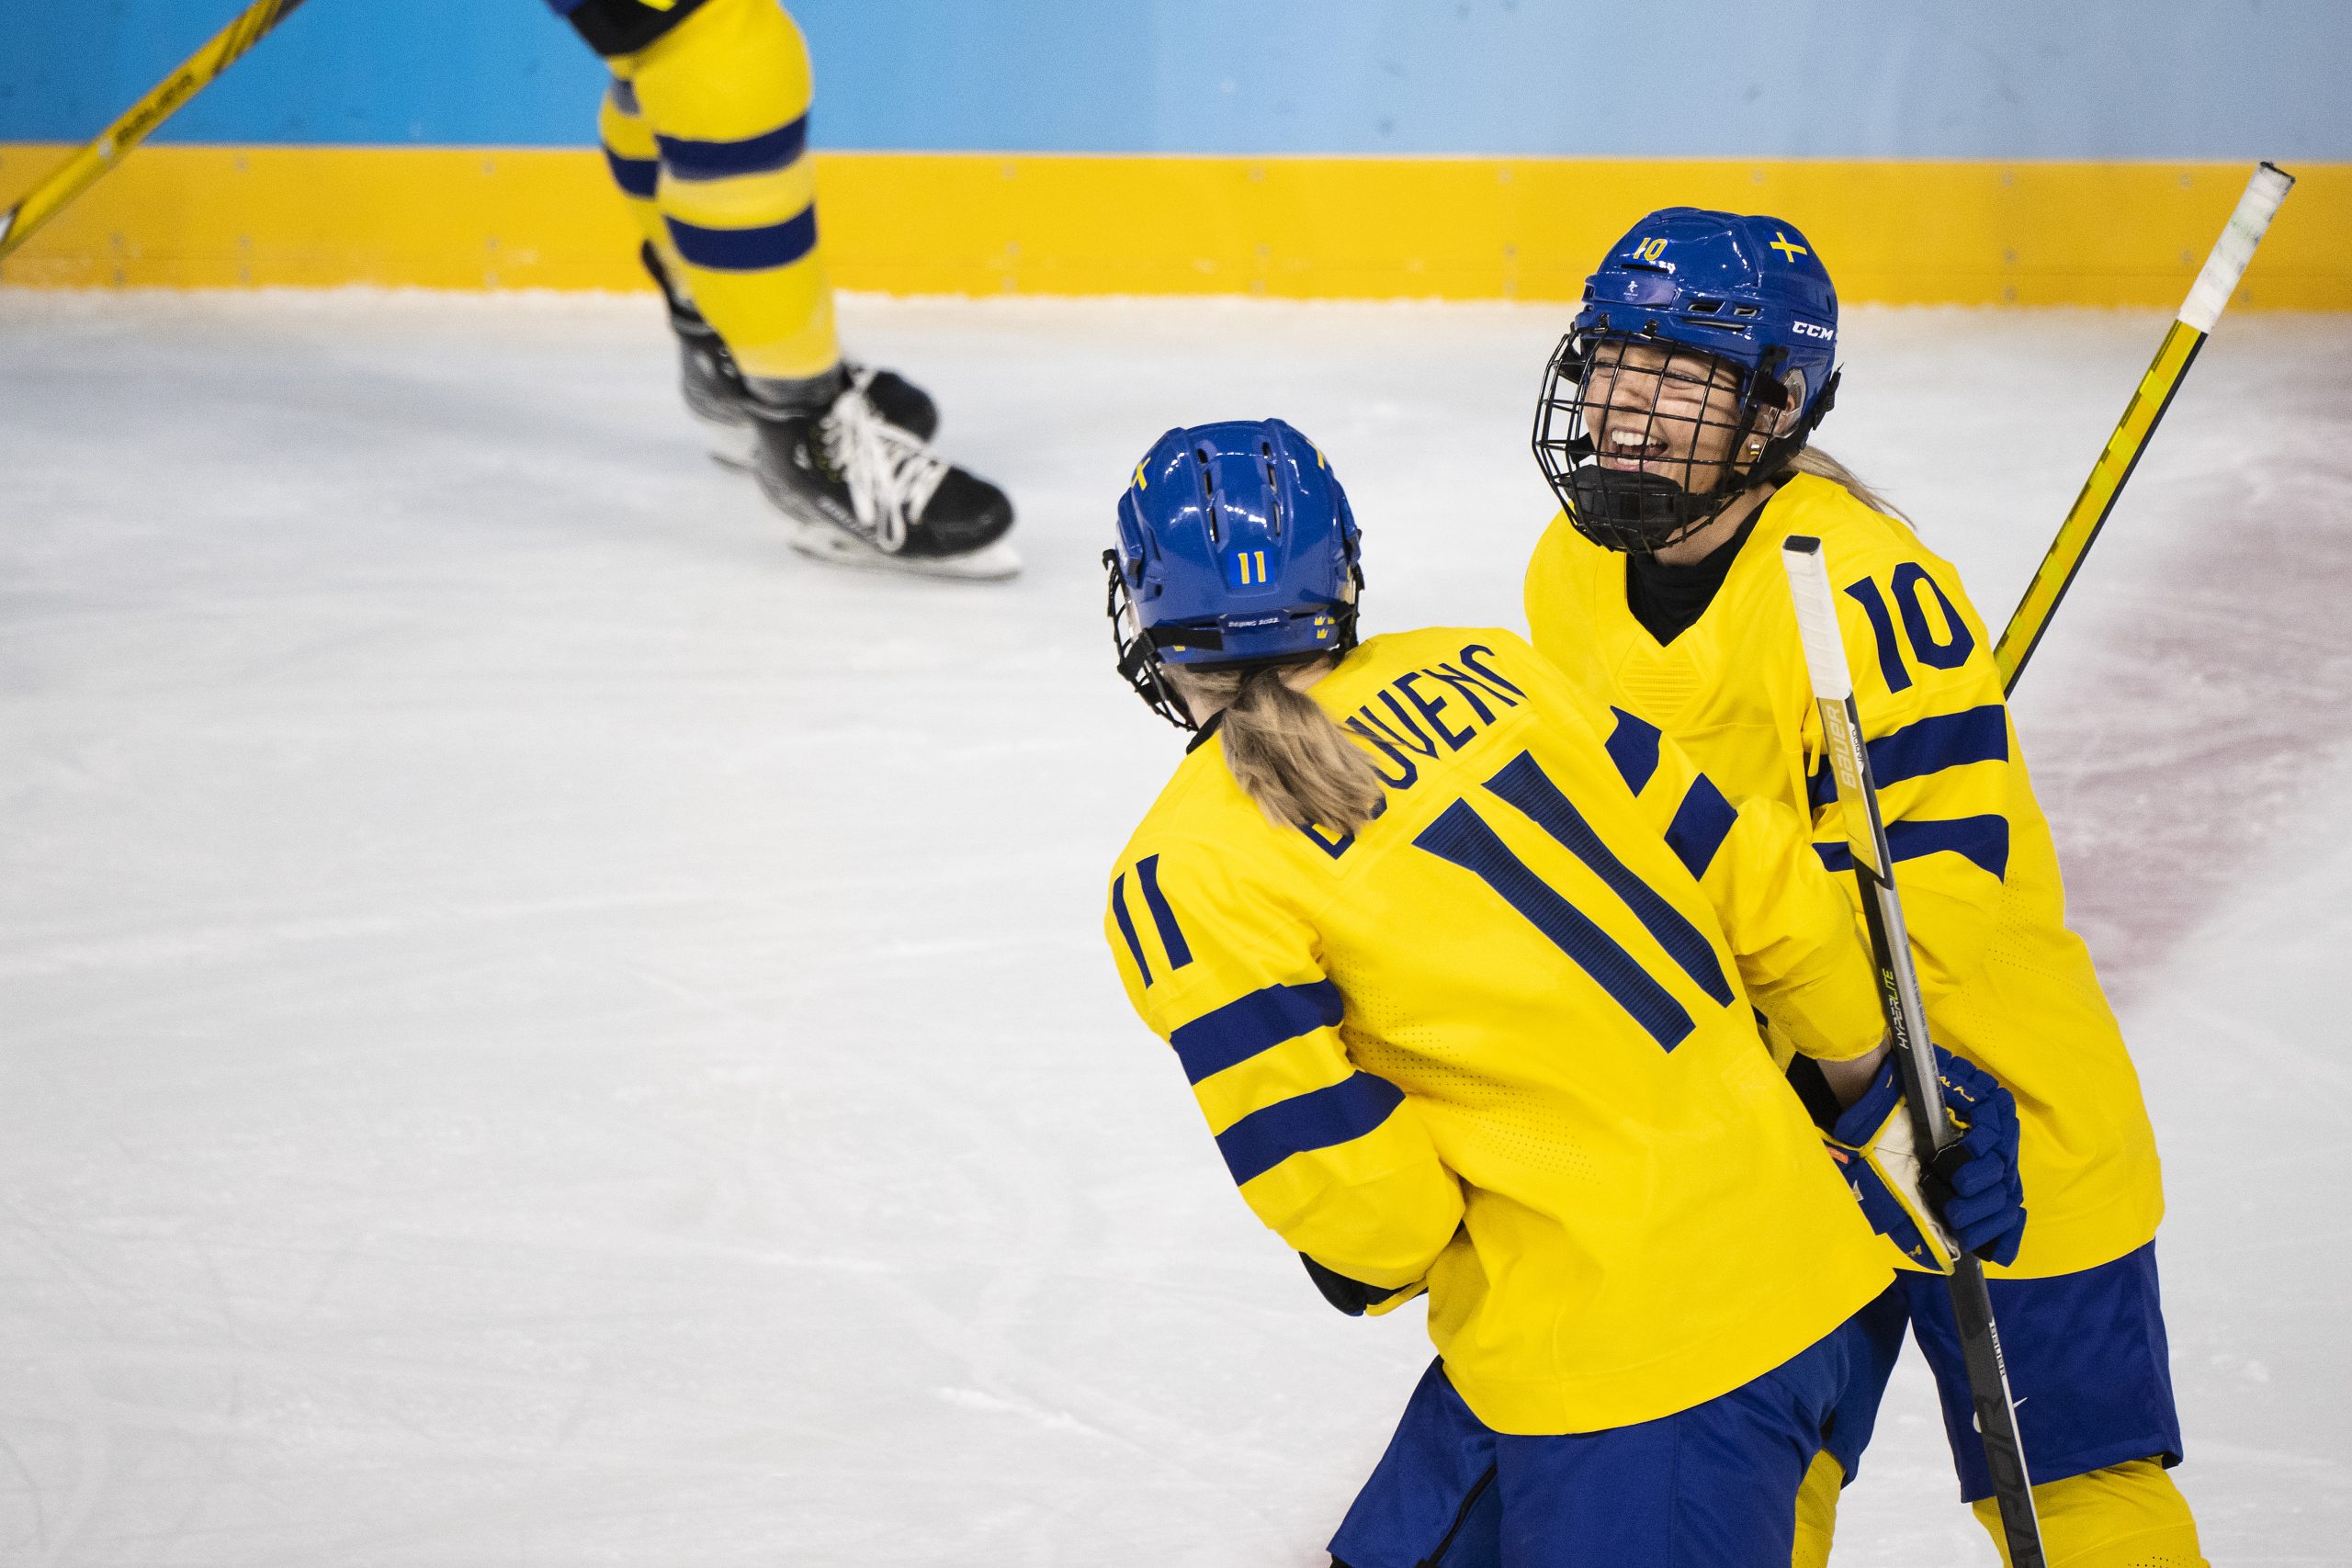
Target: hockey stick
x=2197, y=315
x=49, y=197
x=1914, y=1056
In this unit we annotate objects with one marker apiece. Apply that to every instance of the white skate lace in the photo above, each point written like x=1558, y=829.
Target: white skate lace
x=890, y=473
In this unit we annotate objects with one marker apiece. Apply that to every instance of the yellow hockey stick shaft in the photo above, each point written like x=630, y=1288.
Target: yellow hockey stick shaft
x=49, y=197
x=2197, y=315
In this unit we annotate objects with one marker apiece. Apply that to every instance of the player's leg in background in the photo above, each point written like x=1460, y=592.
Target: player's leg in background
x=2090, y=1368
x=841, y=450
x=726, y=95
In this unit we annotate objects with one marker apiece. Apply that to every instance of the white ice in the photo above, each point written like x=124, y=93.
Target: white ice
x=537, y=1027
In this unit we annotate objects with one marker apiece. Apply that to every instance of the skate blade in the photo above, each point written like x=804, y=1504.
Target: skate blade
x=991, y=563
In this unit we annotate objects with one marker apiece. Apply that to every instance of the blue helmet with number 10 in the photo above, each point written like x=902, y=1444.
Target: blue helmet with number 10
x=1735, y=312
x=1237, y=548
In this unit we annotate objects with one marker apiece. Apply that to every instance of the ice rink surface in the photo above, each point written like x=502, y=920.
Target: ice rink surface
x=537, y=1027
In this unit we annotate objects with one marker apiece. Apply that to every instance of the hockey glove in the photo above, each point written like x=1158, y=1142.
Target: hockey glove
x=1353, y=1296
x=1968, y=1198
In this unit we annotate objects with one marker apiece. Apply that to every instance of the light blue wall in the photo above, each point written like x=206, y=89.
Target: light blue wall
x=1763, y=78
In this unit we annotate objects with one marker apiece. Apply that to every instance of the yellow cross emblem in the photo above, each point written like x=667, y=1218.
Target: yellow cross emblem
x=1789, y=253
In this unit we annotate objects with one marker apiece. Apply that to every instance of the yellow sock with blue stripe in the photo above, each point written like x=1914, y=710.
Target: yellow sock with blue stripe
x=725, y=98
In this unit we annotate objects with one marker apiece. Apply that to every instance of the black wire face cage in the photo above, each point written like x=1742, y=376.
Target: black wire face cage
x=1138, y=659
x=1646, y=440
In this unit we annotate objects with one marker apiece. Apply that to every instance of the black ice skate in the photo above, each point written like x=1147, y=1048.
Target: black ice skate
x=720, y=397
x=863, y=490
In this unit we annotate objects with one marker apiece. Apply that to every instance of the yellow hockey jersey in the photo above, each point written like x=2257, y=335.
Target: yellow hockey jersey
x=2006, y=983
x=1500, y=1041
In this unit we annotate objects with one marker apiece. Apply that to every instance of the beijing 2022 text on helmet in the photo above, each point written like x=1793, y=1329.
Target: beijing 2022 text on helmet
x=1235, y=549
x=1737, y=317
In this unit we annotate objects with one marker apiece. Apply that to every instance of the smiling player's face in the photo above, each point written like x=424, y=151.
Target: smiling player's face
x=1662, y=410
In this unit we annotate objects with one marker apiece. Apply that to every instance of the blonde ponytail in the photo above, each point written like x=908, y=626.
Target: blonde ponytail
x=1284, y=750
x=1821, y=465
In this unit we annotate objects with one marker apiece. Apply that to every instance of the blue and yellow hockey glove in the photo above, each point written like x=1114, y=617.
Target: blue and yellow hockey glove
x=1968, y=1198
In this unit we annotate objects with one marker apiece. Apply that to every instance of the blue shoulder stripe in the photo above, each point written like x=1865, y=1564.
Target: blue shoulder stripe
x=1984, y=839
x=1699, y=826
x=1633, y=746
x=1258, y=1021
x=1342, y=1114
x=746, y=250
x=692, y=160
x=1925, y=746
x=1524, y=784
x=1127, y=924
x=1172, y=935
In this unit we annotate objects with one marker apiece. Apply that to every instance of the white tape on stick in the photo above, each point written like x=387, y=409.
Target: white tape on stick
x=1825, y=648
x=2256, y=209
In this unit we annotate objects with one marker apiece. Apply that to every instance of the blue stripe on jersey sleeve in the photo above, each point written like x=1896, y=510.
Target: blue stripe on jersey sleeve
x=1127, y=924
x=1524, y=784
x=1983, y=839
x=1340, y=1115
x=1700, y=825
x=1946, y=740
x=1462, y=836
x=692, y=160
x=1258, y=1021
x=1633, y=746
x=1927, y=746
x=746, y=250
x=1172, y=935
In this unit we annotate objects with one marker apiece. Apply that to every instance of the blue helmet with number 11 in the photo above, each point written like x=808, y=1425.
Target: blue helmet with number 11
x=1236, y=548
x=1729, y=323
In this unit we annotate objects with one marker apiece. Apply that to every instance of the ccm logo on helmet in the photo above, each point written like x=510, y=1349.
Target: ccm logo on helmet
x=1807, y=328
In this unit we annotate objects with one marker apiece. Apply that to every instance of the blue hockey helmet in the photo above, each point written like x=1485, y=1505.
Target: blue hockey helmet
x=1707, y=342
x=1236, y=548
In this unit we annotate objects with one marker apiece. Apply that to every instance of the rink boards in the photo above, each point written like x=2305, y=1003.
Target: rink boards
x=1977, y=233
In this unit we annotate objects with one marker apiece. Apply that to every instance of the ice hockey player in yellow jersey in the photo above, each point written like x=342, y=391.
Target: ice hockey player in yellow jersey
x=1463, y=971
x=1674, y=427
